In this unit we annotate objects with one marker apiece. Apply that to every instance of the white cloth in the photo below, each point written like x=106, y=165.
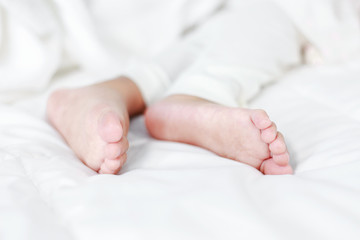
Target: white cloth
x=249, y=44
x=169, y=190
x=330, y=26
x=243, y=47
x=30, y=47
x=40, y=38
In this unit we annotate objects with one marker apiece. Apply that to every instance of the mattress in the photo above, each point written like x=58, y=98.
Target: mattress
x=171, y=190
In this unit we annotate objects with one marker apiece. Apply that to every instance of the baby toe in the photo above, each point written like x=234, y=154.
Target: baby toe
x=282, y=159
x=113, y=164
x=278, y=146
x=260, y=119
x=110, y=128
x=112, y=150
x=269, y=167
x=105, y=170
x=268, y=135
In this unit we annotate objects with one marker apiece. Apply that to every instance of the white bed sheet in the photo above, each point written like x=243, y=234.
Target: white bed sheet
x=176, y=191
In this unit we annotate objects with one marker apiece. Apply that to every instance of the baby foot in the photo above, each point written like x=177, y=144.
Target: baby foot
x=94, y=122
x=244, y=135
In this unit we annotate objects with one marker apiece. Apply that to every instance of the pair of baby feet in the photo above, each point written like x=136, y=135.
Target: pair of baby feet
x=94, y=121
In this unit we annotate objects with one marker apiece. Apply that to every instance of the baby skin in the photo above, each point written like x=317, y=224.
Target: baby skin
x=94, y=121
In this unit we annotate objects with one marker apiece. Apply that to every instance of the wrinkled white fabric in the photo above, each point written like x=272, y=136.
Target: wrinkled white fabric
x=40, y=38
x=176, y=191
x=171, y=190
x=233, y=64
x=30, y=49
x=250, y=44
x=331, y=26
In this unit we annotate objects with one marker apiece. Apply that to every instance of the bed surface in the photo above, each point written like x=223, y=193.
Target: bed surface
x=176, y=191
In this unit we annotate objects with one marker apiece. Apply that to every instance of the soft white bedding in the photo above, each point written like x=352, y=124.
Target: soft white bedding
x=176, y=191
x=171, y=190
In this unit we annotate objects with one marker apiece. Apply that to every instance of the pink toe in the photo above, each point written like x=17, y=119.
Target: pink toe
x=268, y=135
x=112, y=150
x=110, y=128
x=113, y=164
x=105, y=170
x=269, y=167
x=278, y=146
x=281, y=159
x=117, y=149
x=261, y=119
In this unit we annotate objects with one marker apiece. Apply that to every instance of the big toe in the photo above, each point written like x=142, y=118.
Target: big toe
x=110, y=128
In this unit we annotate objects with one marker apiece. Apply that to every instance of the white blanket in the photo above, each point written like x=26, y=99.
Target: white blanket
x=42, y=38
x=176, y=191
x=168, y=190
